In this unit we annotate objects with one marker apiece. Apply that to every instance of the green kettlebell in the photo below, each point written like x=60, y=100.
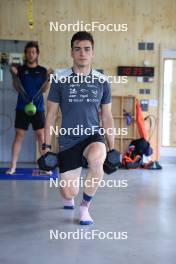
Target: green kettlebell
x=30, y=109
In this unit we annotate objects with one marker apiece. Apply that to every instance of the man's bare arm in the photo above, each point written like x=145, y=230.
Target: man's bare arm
x=14, y=73
x=108, y=122
x=52, y=109
x=48, y=84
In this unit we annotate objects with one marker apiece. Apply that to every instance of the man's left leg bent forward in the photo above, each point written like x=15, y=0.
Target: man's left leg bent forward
x=95, y=154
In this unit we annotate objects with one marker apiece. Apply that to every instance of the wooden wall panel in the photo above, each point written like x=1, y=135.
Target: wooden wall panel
x=147, y=21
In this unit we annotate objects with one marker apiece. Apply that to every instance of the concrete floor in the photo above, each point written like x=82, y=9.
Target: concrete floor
x=146, y=210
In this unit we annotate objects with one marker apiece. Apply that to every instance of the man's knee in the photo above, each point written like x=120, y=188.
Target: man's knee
x=96, y=157
x=69, y=193
x=96, y=164
x=40, y=135
x=19, y=136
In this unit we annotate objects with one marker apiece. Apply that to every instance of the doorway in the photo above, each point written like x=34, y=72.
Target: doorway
x=168, y=102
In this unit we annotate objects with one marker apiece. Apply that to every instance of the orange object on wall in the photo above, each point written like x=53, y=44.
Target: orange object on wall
x=140, y=121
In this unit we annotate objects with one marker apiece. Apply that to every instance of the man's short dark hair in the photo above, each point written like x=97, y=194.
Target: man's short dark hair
x=32, y=44
x=82, y=35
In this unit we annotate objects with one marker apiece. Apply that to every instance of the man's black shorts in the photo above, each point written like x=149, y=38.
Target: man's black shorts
x=72, y=158
x=22, y=120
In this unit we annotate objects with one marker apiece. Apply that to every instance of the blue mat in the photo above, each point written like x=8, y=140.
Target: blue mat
x=27, y=174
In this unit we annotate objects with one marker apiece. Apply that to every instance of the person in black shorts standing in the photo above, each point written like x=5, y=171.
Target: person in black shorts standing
x=80, y=104
x=32, y=77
